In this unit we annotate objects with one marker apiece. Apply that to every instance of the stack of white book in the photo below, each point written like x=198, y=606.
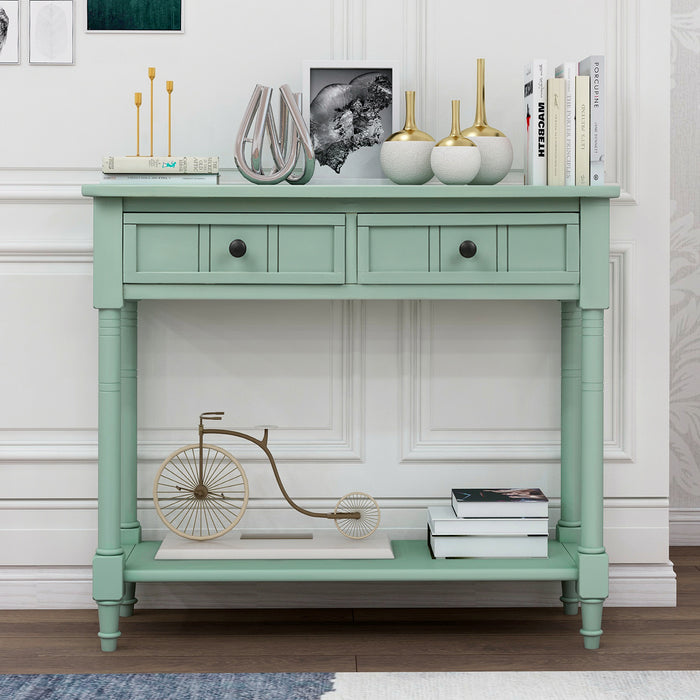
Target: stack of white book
x=490, y=523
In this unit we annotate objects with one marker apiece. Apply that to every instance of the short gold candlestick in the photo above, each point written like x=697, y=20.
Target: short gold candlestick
x=152, y=75
x=137, y=102
x=169, y=88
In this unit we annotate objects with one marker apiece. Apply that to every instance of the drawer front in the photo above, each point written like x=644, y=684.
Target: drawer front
x=161, y=248
x=271, y=249
x=537, y=248
x=468, y=249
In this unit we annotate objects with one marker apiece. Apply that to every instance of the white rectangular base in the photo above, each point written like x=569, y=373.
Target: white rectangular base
x=311, y=544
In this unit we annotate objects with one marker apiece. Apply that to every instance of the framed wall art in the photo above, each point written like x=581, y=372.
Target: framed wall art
x=134, y=16
x=51, y=32
x=9, y=31
x=351, y=107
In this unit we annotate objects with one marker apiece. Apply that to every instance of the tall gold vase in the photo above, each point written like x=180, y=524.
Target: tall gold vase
x=495, y=147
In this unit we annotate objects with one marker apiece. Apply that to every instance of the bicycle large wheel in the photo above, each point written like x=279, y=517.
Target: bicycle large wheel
x=200, y=509
x=366, y=524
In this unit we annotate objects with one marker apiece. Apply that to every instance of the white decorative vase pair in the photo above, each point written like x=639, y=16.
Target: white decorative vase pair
x=479, y=155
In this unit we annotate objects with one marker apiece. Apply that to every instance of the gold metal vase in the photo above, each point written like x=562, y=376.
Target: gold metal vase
x=495, y=147
x=405, y=155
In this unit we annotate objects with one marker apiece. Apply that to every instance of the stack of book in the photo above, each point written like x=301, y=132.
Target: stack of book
x=565, y=123
x=490, y=523
x=187, y=170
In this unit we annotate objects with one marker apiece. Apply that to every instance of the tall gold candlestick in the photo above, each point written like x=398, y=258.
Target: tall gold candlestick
x=169, y=88
x=137, y=102
x=152, y=75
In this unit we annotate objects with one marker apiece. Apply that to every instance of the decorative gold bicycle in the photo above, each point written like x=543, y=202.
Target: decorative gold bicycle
x=201, y=491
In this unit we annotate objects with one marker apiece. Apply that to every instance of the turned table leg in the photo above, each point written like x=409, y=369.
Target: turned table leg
x=569, y=525
x=130, y=526
x=593, y=560
x=108, y=563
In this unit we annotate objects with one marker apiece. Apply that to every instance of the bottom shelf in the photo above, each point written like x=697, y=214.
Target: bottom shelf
x=412, y=562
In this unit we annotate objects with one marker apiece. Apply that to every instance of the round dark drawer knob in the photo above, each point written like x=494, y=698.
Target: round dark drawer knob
x=237, y=248
x=467, y=249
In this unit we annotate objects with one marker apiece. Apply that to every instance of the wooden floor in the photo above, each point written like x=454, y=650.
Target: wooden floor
x=64, y=641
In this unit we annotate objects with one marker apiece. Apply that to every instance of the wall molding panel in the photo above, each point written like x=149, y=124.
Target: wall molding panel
x=623, y=117
x=340, y=440
x=45, y=251
x=348, y=29
x=515, y=445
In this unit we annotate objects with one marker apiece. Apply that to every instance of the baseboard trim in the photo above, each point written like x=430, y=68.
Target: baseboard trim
x=684, y=527
x=30, y=588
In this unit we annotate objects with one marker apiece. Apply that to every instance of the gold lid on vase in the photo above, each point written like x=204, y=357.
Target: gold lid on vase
x=455, y=138
x=480, y=127
x=410, y=131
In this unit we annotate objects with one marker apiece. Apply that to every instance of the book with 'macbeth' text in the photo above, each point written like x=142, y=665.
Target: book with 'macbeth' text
x=177, y=165
x=535, y=96
x=499, y=503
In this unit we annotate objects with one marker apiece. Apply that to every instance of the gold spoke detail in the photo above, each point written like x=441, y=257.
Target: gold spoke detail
x=194, y=512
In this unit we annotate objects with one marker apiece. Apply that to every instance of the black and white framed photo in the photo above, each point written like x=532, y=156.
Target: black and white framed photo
x=51, y=32
x=154, y=16
x=9, y=31
x=351, y=107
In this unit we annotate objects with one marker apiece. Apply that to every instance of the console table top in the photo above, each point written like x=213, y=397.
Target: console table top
x=375, y=190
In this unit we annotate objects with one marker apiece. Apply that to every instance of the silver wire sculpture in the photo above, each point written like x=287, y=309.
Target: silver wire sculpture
x=292, y=141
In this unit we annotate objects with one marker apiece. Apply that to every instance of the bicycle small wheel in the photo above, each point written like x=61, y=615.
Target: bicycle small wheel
x=366, y=524
x=200, y=509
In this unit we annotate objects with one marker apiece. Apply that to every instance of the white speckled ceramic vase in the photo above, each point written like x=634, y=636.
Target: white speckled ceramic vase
x=495, y=147
x=455, y=159
x=405, y=155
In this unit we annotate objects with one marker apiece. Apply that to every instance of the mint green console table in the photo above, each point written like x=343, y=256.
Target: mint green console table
x=353, y=242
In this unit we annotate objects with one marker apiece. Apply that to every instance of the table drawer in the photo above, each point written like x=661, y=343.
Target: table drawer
x=540, y=248
x=468, y=249
x=235, y=249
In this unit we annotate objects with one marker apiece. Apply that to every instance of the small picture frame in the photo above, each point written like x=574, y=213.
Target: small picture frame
x=351, y=108
x=150, y=17
x=51, y=33
x=9, y=31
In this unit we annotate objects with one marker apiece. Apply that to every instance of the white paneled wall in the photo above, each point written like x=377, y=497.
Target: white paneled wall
x=403, y=400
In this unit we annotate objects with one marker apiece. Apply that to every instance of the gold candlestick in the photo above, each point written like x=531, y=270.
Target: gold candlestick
x=137, y=102
x=152, y=75
x=169, y=88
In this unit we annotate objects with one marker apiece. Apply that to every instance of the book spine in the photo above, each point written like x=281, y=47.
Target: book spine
x=179, y=166
x=568, y=71
x=499, y=526
x=594, y=67
x=535, y=96
x=154, y=178
x=533, y=509
x=556, y=132
x=523, y=546
x=583, y=153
